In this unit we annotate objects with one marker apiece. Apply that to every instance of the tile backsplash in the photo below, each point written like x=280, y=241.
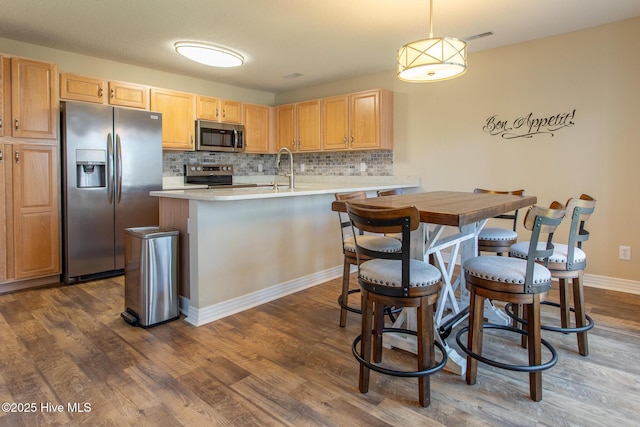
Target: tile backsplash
x=376, y=163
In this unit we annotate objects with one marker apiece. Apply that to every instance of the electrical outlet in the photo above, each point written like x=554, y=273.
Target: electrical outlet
x=363, y=167
x=260, y=167
x=302, y=167
x=624, y=253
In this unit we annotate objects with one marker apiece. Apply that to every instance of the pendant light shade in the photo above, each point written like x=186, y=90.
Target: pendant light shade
x=432, y=59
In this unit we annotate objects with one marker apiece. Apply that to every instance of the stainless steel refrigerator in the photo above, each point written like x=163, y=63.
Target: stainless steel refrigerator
x=111, y=159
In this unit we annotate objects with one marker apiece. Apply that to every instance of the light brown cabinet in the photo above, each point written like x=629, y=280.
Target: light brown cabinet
x=5, y=88
x=29, y=243
x=298, y=126
x=178, y=118
x=358, y=121
x=99, y=91
x=28, y=95
x=218, y=110
x=257, y=128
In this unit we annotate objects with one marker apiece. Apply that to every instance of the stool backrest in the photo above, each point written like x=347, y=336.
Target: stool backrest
x=579, y=210
x=392, y=192
x=345, y=223
x=386, y=220
x=511, y=216
x=541, y=221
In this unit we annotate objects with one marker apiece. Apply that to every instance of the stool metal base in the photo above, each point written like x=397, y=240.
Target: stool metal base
x=519, y=368
x=394, y=372
x=590, y=323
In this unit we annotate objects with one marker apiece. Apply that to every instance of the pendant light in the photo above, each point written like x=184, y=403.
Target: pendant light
x=433, y=59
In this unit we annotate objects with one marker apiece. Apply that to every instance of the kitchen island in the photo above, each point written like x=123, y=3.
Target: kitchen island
x=242, y=247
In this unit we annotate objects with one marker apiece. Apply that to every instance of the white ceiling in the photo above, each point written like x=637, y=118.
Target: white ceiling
x=324, y=40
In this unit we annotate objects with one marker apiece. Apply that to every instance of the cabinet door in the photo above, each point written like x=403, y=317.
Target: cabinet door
x=82, y=88
x=34, y=99
x=3, y=216
x=129, y=95
x=178, y=126
x=309, y=126
x=35, y=210
x=335, y=123
x=286, y=126
x=256, y=128
x=208, y=108
x=364, y=120
x=231, y=111
x=5, y=87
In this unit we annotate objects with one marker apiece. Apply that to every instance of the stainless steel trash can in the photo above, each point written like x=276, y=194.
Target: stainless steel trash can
x=151, y=277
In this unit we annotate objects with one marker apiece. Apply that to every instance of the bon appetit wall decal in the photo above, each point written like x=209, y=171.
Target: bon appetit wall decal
x=528, y=126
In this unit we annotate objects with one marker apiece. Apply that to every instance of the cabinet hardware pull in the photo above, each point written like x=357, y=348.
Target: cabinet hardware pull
x=1, y=156
x=17, y=156
x=351, y=138
x=0, y=123
x=113, y=93
x=344, y=140
x=99, y=92
x=17, y=123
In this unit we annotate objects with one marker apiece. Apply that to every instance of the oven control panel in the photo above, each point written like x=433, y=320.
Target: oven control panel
x=208, y=170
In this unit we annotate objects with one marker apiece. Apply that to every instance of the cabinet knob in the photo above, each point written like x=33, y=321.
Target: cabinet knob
x=99, y=92
x=113, y=93
x=17, y=124
x=17, y=156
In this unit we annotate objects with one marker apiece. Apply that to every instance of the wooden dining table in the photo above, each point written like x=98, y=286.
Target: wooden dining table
x=449, y=220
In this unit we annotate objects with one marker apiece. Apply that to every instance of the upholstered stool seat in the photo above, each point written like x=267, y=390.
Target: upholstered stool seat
x=568, y=261
x=515, y=281
x=394, y=279
x=498, y=240
x=508, y=274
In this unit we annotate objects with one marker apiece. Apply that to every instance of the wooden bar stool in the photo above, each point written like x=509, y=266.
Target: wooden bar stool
x=394, y=279
x=381, y=242
x=517, y=281
x=567, y=262
x=497, y=239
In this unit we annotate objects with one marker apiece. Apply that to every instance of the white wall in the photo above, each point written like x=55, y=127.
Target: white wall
x=439, y=129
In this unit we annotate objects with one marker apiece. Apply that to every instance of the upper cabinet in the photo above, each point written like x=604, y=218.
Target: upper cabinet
x=28, y=99
x=218, y=110
x=178, y=118
x=88, y=89
x=5, y=91
x=257, y=128
x=358, y=121
x=298, y=126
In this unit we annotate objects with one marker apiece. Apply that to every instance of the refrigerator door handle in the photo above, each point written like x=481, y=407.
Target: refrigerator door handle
x=118, y=169
x=110, y=171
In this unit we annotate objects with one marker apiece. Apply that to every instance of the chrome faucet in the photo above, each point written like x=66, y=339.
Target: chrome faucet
x=290, y=174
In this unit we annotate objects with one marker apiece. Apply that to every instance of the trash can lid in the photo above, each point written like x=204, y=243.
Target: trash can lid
x=151, y=232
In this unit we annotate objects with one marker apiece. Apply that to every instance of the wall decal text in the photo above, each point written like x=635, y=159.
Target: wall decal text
x=528, y=126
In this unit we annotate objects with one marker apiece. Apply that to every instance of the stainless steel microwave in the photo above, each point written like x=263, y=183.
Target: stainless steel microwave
x=214, y=136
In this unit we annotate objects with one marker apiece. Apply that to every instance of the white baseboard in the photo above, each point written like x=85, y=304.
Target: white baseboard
x=202, y=316
x=612, y=283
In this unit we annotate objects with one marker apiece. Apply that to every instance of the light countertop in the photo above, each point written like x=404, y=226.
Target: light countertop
x=305, y=186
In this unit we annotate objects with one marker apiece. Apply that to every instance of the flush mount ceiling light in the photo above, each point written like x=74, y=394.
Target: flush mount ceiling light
x=433, y=59
x=207, y=54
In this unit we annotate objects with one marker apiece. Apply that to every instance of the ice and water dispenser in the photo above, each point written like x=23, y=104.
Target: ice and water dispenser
x=91, y=168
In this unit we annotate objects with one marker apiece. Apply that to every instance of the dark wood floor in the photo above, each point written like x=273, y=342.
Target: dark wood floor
x=284, y=363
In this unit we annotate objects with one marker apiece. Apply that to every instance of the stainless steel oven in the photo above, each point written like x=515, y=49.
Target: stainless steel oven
x=214, y=136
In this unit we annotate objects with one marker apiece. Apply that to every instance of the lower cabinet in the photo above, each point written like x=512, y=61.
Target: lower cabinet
x=30, y=240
